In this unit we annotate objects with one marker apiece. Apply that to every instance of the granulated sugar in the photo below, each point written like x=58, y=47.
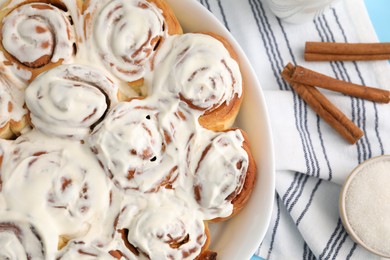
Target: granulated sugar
x=367, y=205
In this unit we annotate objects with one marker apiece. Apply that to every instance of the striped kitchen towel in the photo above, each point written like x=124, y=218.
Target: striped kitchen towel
x=312, y=160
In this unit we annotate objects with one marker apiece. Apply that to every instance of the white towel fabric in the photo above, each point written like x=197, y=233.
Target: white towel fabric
x=312, y=160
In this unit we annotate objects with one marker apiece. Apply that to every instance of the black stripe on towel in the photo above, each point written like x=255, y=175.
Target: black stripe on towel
x=225, y=22
x=269, y=41
x=298, y=221
x=206, y=4
x=337, y=234
x=307, y=253
x=274, y=229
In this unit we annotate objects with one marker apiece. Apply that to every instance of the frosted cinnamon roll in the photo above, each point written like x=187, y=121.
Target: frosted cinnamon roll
x=70, y=100
x=36, y=36
x=166, y=229
x=224, y=174
x=20, y=238
x=126, y=34
x=132, y=148
x=202, y=71
x=12, y=113
x=60, y=181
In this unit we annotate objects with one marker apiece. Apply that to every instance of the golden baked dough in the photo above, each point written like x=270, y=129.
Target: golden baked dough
x=223, y=117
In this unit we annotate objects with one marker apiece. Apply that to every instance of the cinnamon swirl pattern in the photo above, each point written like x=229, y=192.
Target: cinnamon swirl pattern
x=199, y=70
x=35, y=37
x=124, y=45
x=127, y=33
x=179, y=234
x=90, y=169
x=131, y=146
x=219, y=173
x=64, y=184
x=19, y=238
x=69, y=100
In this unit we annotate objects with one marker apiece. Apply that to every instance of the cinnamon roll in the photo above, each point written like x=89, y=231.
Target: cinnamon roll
x=36, y=36
x=20, y=238
x=202, y=71
x=70, y=100
x=58, y=181
x=132, y=148
x=126, y=34
x=167, y=229
x=224, y=174
x=12, y=113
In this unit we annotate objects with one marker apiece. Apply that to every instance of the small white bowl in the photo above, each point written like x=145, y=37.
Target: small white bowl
x=366, y=182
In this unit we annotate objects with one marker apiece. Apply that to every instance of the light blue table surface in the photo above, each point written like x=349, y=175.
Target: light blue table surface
x=379, y=11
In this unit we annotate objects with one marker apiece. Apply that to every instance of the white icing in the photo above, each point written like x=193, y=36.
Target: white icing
x=11, y=100
x=199, y=69
x=34, y=30
x=68, y=100
x=125, y=33
x=131, y=146
x=62, y=182
x=21, y=238
x=92, y=167
x=219, y=172
x=11, y=247
x=167, y=221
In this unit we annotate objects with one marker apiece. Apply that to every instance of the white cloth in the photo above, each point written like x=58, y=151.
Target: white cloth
x=312, y=160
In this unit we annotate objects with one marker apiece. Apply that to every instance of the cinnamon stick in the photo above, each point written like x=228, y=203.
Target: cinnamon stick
x=332, y=51
x=324, y=108
x=309, y=77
